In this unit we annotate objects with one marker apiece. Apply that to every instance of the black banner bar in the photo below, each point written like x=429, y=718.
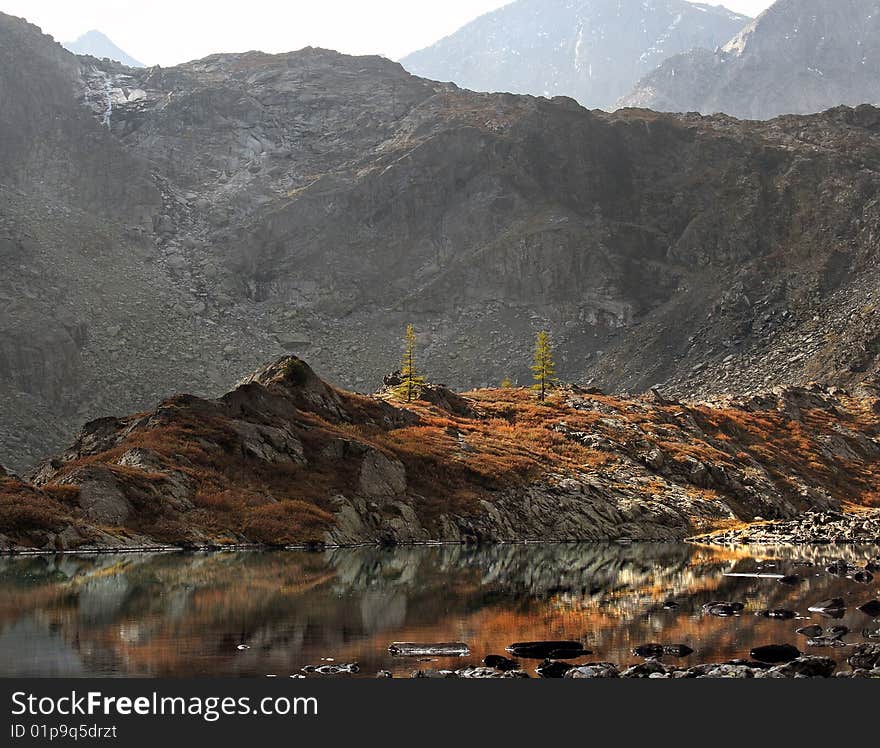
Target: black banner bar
x=401, y=712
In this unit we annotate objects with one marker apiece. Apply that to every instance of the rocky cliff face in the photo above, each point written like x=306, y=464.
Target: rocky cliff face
x=285, y=458
x=593, y=51
x=798, y=57
x=170, y=229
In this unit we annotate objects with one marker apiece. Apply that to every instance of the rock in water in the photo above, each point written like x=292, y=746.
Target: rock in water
x=792, y=580
x=871, y=608
x=778, y=613
x=811, y=631
x=553, y=669
x=723, y=609
x=863, y=577
x=677, y=650
x=775, y=653
x=825, y=641
x=559, y=650
x=443, y=649
x=838, y=568
x=340, y=669
x=835, y=607
x=660, y=650
x=648, y=650
x=499, y=662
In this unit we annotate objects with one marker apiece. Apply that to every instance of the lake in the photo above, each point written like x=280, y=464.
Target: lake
x=259, y=614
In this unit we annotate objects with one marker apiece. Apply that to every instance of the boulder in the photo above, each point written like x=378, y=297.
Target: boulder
x=865, y=656
x=594, y=670
x=553, y=669
x=381, y=476
x=100, y=496
x=807, y=667
x=646, y=670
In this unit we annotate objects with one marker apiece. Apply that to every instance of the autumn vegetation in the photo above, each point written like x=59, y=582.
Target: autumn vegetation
x=507, y=439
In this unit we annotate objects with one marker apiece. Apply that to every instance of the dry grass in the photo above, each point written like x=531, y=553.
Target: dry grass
x=452, y=462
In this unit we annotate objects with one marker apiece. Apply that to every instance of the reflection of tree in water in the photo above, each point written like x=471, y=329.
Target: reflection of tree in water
x=186, y=615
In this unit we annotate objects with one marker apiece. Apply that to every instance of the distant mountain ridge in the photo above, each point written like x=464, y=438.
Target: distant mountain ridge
x=591, y=50
x=170, y=229
x=798, y=57
x=99, y=45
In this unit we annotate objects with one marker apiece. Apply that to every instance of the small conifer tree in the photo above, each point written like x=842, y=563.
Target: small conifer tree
x=544, y=369
x=506, y=383
x=411, y=382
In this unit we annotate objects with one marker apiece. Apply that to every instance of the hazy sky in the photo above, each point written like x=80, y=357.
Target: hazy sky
x=166, y=32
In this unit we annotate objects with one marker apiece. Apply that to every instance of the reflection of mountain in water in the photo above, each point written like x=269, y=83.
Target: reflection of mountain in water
x=187, y=615
x=508, y=570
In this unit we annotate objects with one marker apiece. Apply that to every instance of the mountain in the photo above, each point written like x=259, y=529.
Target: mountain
x=286, y=458
x=96, y=44
x=799, y=56
x=171, y=229
x=591, y=50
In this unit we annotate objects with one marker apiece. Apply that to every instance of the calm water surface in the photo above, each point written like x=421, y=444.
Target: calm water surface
x=189, y=615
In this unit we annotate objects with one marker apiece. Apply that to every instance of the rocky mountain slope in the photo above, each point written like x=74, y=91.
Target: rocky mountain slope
x=592, y=50
x=96, y=44
x=798, y=57
x=285, y=458
x=171, y=229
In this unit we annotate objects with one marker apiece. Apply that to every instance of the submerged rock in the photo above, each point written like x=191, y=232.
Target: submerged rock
x=648, y=650
x=835, y=607
x=540, y=650
x=437, y=674
x=488, y=672
x=825, y=641
x=776, y=653
x=792, y=579
x=340, y=669
x=778, y=613
x=659, y=650
x=500, y=662
x=442, y=649
x=871, y=608
x=723, y=609
x=839, y=568
x=811, y=631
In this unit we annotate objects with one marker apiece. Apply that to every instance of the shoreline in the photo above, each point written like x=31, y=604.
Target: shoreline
x=743, y=536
